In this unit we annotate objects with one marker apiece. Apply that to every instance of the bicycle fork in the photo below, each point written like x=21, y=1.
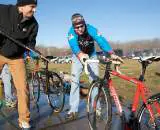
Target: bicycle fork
x=115, y=98
x=118, y=106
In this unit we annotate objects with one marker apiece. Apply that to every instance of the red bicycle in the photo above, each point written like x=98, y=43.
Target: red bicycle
x=102, y=92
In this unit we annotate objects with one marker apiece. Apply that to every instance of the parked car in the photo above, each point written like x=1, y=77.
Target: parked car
x=55, y=60
x=68, y=60
x=51, y=57
x=61, y=60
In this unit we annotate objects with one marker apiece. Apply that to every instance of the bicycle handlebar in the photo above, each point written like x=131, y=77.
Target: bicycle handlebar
x=145, y=61
x=86, y=64
x=22, y=45
x=149, y=60
x=107, y=60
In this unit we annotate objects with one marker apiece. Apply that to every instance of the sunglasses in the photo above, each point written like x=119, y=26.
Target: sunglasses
x=79, y=26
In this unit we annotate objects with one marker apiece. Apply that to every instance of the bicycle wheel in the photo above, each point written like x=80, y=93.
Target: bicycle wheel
x=144, y=120
x=35, y=87
x=99, y=108
x=56, y=92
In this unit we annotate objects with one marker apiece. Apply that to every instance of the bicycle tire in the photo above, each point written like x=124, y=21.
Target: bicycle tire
x=103, y=120
x=144, y=116
x=56, y=92
x=35, y=87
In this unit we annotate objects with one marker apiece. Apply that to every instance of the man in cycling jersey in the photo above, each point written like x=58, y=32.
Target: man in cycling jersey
x=82, y=38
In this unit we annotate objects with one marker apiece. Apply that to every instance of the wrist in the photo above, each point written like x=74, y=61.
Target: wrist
x=80, y=54
x=111, y=52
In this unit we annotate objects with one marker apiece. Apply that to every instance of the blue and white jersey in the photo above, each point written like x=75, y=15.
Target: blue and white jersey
x=85, y=43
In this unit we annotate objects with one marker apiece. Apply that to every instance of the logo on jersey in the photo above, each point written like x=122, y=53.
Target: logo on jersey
x=24, y=29
x=99, y=34
x=70, y=37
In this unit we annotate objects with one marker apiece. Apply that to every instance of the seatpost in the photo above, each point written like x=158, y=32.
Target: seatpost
x=144, y=65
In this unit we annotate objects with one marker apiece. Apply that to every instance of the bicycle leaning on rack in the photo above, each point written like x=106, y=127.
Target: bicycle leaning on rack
x=49, y=83
x=99, y=106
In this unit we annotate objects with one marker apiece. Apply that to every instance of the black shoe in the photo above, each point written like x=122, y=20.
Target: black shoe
x=71, y=116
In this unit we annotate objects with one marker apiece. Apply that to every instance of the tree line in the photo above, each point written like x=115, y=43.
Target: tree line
x=126, y=47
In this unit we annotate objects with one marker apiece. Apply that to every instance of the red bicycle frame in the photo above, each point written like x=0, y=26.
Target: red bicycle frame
x=141, y=90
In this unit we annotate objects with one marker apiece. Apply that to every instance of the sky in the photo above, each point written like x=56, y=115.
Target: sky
x=117, y=20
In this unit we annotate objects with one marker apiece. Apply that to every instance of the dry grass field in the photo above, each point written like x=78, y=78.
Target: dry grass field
x=131, y=68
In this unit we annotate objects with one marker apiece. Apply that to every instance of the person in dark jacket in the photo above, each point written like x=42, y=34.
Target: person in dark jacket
x=19, y=23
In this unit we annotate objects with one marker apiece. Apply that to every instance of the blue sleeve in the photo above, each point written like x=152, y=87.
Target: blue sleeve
x=72, y=39
x=101, y=41
x=33, y=55
x=25, y=55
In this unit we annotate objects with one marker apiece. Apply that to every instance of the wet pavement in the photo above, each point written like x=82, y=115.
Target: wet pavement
x=43, y=118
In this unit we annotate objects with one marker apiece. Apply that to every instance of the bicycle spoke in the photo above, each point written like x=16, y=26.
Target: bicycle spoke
x=36, y=87
x=145, y=121
x=56, y=92
x=99, y=109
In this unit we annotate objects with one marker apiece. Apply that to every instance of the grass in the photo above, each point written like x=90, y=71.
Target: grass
x=131, y=68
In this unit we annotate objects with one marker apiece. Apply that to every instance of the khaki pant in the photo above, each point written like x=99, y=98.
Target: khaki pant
x=17, y=69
